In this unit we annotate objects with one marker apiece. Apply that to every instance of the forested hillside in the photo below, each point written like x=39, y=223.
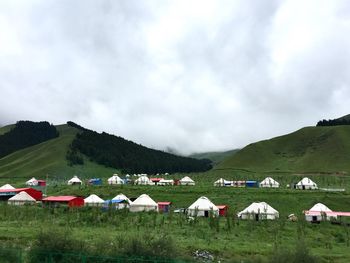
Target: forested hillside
x=25, y=134
x=114, y=151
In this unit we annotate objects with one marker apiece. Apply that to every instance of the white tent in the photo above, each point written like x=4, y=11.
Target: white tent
x=186, y=181
x=166, y=182
x=32, y=182
x=259, y=211
x=269, y=182
x=21, y=198
x=203, y=207
x=223, y=182
x=316, y=213
x=74, y=180
x=7, y=186
x=306, y=183
x=125, y=202
x=93, y=200
x=115, y=179
x=143, y=203
x=143, y=180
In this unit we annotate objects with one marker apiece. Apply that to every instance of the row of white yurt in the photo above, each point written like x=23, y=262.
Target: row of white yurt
x=305, y=183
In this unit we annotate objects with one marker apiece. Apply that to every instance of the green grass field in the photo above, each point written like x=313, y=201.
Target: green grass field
x=227, y=239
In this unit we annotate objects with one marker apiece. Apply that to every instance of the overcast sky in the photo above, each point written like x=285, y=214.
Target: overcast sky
x=191, y=75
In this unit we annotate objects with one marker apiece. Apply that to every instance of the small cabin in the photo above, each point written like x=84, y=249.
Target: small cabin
x=222, y=210
x=252, y=184
x=164, y=207
x=70, y=201
x=95, y=181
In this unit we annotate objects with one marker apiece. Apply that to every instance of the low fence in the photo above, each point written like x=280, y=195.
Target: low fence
x=11, y=255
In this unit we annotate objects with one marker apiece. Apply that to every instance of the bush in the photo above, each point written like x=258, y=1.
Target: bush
x=52, y=244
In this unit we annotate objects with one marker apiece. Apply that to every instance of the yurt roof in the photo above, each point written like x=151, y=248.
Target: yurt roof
x=320, y=208
x=93, y=199
x=306, y=181
x=259, y=207
x=144, y=200
x=203, y=203
x=7, y=186
x=22, y=196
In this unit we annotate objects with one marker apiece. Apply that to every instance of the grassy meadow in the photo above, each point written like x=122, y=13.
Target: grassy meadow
x=173, y=236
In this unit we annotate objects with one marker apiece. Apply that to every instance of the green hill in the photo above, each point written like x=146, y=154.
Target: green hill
x=308, y=150
x=49, y=158
x=215, y=157
x=101, y=154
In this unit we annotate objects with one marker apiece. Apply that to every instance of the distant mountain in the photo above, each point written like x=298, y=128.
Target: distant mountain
x=215, y=157
x=310, y=149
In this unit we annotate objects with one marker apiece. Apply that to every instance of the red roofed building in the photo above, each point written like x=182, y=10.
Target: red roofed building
x=6, y=194
x=71, y=201
x=155, y=180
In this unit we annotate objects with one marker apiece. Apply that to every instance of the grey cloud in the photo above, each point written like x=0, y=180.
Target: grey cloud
x=191, y=75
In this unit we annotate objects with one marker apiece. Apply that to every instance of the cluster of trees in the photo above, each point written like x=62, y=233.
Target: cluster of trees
x=334, y=122
x=116, y=152
x=25, y=134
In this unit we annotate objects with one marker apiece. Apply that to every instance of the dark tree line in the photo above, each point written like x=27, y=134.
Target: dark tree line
x=25, y=134
x=334, y=122
x=116, y=152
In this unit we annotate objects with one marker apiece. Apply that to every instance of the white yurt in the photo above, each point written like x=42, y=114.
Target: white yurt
x=220, y=182
x=143, y=180
x=7, y=187
x=203, y=207
x=187, y=181
x=93, y=200
x=115, y=179
x=269, y=182
x=317, y=213
x=143, y=203
x=306, y=183
x=123, y=201
x=259, y=211
x=22, y=198
x=166, y=182
x=32, y=182
x=74, y=180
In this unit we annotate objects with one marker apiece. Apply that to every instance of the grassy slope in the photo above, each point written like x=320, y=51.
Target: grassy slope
x=215, y=157
x=48, y=158
x=311, y=149
x=6, y=128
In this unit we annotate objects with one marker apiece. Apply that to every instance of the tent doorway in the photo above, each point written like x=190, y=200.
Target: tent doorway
x=256, y=217
x=303, y=187
x=206, y=213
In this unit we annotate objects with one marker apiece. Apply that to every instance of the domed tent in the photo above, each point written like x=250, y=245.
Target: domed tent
x=187, y=181
x=74, y=180
x=317, y=213
x=143, y=203
x=121, y=201
x=115, y=179
x=7, y=187
x=269, y=182
x=143, y=180
x=203, y=207
x=306, y=183
x=22, y=198
x=223, y=182
x=166, y=182
x=259, y=211
x=32, y=182
x=93, y=200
